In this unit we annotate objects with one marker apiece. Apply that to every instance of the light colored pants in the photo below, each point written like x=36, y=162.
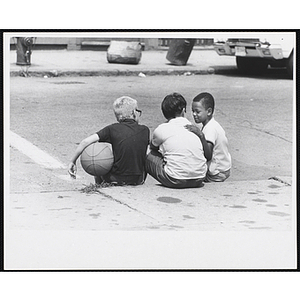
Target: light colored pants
x=222, y=176
x=155, y=167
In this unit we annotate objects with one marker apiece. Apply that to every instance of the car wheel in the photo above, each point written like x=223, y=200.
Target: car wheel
x=290, y=65
x=251, y=65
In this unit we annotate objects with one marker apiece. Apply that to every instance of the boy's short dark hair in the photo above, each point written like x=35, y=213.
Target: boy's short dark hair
x=207, y=100
x=172, y=105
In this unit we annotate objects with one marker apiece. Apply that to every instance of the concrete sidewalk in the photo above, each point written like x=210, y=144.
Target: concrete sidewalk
x=243, y=205
x=54, y=63
x=39, y=196
x=230, y=225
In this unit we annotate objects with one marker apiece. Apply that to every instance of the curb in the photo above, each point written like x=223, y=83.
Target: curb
x=142, y=73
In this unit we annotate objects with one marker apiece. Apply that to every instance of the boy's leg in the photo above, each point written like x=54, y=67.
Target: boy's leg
x=104, y=178
x=121, y=180
x=155, y=167
x=220, y=177
x=125, y=179
x=98, y=180
x=109, y=178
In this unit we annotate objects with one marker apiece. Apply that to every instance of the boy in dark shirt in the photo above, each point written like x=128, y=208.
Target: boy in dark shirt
x=129, y=142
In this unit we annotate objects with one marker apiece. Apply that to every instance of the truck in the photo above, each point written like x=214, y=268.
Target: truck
x=255, y=52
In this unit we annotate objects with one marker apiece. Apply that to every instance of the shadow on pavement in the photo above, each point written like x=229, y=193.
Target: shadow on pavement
x=271, y=73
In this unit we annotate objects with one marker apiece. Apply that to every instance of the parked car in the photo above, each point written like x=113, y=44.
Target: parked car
x=254, y=52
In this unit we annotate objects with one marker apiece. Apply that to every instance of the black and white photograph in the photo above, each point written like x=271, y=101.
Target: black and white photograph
x=140, y=150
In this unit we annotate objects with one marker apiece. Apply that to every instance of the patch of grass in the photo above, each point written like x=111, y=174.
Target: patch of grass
x=94, y=188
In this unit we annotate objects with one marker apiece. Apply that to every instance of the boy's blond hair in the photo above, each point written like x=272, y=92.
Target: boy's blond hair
x=124, y=108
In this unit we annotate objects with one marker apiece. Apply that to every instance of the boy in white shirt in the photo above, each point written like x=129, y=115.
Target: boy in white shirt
x=176, y=159
x=213, y=138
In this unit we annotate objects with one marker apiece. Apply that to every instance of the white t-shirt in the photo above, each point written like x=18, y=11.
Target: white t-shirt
x=221, y=159
x=182, y=150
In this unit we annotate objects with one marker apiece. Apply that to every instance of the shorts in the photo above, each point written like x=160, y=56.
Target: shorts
x=155, y=167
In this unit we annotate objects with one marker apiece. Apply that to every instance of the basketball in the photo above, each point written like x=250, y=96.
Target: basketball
x=97, y=159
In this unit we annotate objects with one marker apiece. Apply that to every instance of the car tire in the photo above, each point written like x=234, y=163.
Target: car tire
x=290, y=65
x=251, y=65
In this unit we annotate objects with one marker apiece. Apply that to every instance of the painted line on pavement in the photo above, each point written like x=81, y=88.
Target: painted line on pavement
x=33, y=152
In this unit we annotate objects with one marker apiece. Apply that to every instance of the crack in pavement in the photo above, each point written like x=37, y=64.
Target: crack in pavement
x=250, y=126
x=120, y=202
x=269, y=133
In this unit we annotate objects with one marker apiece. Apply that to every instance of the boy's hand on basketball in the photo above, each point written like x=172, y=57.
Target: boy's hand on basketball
x=195, y=129
x=72, y=170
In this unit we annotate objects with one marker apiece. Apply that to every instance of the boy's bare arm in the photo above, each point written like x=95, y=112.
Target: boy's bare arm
x=72, y=169
x=207, y=146
x=152, y=147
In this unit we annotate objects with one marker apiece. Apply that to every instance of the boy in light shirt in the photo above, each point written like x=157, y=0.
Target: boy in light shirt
x=176, y=159
x=213, y=138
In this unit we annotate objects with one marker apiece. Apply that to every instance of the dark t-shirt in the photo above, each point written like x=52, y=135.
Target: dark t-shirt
x=129, y=143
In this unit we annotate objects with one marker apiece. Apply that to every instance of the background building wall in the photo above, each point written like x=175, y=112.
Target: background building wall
x=90, y=43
